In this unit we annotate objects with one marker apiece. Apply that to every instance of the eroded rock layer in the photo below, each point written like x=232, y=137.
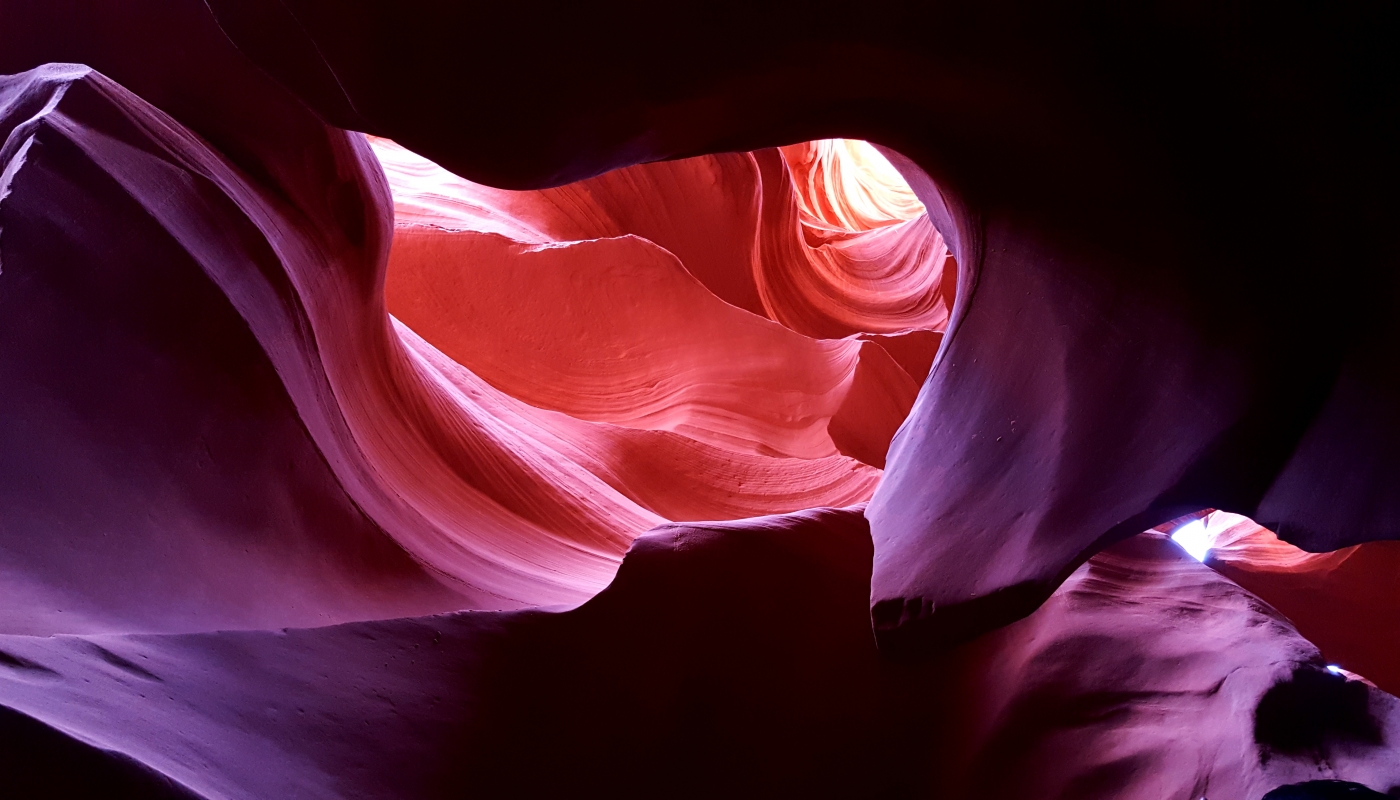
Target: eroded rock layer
x=1130, y=238
x=1344, y=601
x=158, y=473
x=218, y=441
x=726, y=415
x=604, y=299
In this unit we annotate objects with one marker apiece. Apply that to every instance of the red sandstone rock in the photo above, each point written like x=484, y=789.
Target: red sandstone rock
x=509, y=504
x=828, y=256
x=615, y=330
x=1089, y=206
x=1090, y=214
x=826, y=268
x=1132, y=682
x=398, y=468
x=1344, y=601
x=157, y=473
x=704, y=211
x=674, y=476
x=577, y=299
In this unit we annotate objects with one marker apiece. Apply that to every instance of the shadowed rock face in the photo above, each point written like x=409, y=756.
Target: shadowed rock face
x=1325, y=790
x=1131, y=194
x=213, y=422
x=1344, y=601
x=671, y=677
x=40, y=761
x=1312, y=709
x=683, y=407
x=155, y=473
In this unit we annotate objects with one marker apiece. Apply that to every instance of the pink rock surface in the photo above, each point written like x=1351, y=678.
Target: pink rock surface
x=157, y=473
x=505, y=502
x=674, y=476
x=615, y=330
x=1123, y=263
x=704, y=211
x=97, y=131
x=866, y=258
x=579, y=299
x=1132, y=681
x=212, y=421
x=826, y=238
x=1344, y=601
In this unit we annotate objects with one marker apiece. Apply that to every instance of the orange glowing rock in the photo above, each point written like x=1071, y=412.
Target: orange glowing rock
x=684, y=407
x=604, y=299
x=612, y=334
x=856, y=252
x=615, y=330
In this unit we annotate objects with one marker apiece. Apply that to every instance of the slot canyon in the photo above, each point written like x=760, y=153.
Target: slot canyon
x=899, y=400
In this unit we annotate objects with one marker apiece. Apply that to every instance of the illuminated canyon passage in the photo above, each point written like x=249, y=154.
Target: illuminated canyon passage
x=455, y=401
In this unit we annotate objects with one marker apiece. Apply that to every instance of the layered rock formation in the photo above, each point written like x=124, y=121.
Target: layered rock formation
x=159, y=472
x=468, y=272
x=1344, y=601
x=320, y=456
x=725, y=415
x=1078, y=187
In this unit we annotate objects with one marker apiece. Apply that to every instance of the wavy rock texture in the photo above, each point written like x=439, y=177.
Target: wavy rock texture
x=212, y=421
x=676, y=477
x=158, y=473
x=1344, y=601
x=825, y=237
x=511, y=504
x=704, y=211
x=577, y=299
x=1089, y=217
x=615, y=330
x=86, y=140
x=868, y=259
x=1132, y=680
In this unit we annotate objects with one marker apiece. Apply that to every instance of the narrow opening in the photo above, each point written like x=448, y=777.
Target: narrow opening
x=1194, y=539
x=1337, y=600
x=1199, y=536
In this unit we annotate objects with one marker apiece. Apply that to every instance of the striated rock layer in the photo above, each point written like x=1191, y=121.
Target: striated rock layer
x=1130, y=237
x=1344, y=601
x=867, y=259
x=577, y=299
x=158, y=470
x=213, y=422
x=457, y=488
x=825, y=237
x=724, y=415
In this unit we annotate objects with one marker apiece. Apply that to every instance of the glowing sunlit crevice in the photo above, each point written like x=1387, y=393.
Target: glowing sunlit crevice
x=1194, y=538
x=848, y=184
x=1199, y=536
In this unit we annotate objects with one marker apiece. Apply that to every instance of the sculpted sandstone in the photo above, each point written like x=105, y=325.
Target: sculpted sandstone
x=455, y=400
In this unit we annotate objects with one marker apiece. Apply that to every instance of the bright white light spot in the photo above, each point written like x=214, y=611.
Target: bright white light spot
x=1194, y=539
x=1334, y=669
